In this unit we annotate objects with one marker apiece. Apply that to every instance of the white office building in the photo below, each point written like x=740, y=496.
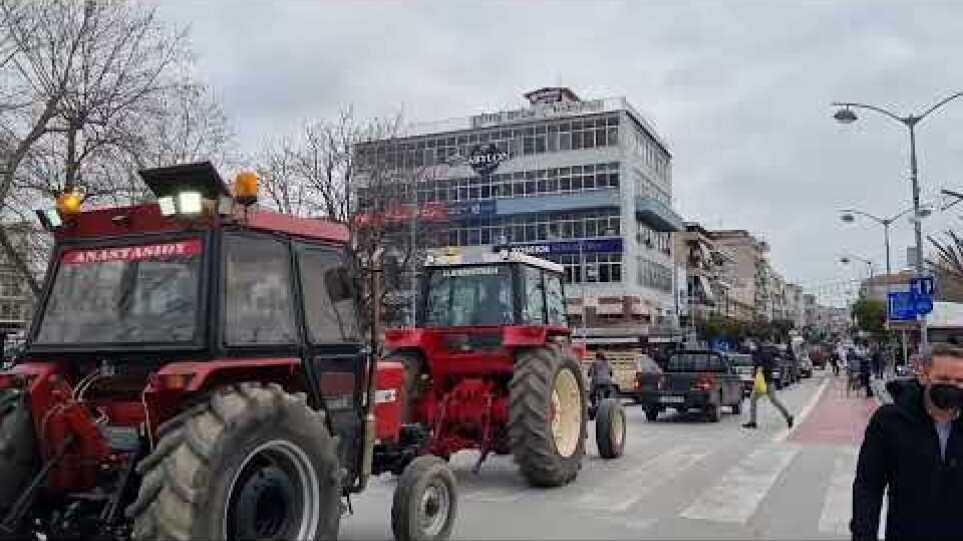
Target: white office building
x=586, y=183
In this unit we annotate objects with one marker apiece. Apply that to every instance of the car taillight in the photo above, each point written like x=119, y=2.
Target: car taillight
x=704, y=384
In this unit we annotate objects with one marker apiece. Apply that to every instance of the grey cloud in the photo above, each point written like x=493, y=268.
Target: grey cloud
x=741, y=91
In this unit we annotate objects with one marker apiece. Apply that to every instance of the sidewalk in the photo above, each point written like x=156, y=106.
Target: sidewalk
x=837, y=419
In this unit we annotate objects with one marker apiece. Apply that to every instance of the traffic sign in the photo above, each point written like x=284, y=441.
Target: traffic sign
x=924, y=305
x=924, y=285
x=901, y=306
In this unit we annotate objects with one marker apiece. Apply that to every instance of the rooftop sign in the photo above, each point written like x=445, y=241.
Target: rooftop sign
x=538, y=111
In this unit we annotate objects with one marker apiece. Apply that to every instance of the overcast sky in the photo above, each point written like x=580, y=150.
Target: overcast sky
x=740, y=91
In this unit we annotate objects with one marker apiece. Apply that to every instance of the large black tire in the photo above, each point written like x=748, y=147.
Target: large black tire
x=713, y=411
x=425, y=502
x=414, y=369
x=610, y=428
x=218, y=467
x=651, y=413
x=531, y=437
x=18, y=456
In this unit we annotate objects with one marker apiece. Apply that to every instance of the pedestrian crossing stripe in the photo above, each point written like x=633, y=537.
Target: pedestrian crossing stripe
x=738, y=494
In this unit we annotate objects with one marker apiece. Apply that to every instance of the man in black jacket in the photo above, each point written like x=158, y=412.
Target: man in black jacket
x=914, y=447
x=764, y=359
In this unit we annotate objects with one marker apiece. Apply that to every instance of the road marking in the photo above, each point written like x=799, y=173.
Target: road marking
x=624, y=491
x=737, y=495
x=838, y=503
x=807, y=409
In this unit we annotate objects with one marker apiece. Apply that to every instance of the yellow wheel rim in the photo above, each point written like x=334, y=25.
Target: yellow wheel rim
x=618, y=428
x=566, y=413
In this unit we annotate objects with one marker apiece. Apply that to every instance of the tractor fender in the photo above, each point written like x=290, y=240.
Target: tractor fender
x=194, y=376
x=398, y=339
x=524, y=336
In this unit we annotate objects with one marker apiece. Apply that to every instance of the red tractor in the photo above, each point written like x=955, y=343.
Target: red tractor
x=491, y=367
x=195, y=370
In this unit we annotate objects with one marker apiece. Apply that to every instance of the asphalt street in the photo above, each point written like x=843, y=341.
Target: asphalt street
x=680, y=478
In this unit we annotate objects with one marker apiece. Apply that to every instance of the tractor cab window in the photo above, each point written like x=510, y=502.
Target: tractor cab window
x=555, y=299
x=329, y=303
x=471, y=295
x=533, y=302
x=259, y=307
x=132, y=294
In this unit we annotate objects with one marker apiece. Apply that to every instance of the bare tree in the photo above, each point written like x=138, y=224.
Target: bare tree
x=92, y=91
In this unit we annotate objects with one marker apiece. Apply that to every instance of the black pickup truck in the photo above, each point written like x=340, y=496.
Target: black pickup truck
x=693, y=379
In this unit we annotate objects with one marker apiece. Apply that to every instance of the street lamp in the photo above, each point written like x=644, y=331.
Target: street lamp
x=847, y=259
x=849, y=216
x=846, y=115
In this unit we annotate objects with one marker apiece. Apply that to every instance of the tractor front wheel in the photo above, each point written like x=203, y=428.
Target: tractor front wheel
x=425, y=502
x=610, y=428
x=547, y=416
x=252, y=463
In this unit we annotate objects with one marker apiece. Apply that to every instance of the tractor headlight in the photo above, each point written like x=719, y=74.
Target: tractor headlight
x=167, y=206
x=189, y=203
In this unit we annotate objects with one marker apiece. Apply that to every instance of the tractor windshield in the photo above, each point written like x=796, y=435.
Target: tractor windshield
x=470, y=295
x=125, y=294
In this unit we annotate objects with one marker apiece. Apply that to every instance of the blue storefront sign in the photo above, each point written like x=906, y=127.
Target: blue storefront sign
x=459, y=211
x=589, y=246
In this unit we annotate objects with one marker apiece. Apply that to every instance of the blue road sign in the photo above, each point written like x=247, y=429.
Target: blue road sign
x=924, y=304
x=901, y=306
x=924, y=285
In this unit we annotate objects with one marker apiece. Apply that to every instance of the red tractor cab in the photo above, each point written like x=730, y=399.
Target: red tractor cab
x=195, y=369
x=491, y=366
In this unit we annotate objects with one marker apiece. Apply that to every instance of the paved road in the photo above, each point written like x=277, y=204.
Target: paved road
x=681, y=478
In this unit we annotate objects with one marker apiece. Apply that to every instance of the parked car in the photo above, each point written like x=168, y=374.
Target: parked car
x=693, y=379
x=805, y=366
x=741, y=364
x=646, y=369
x=783, y=371
x=819, y=356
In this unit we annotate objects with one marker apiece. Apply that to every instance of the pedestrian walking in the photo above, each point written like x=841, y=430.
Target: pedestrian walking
x=913, y=450
x=878, y=362
x=763, y=360
x=865, y=374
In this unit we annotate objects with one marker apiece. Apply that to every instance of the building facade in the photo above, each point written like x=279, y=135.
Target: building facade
x=746, y=272
x=584, y=183
x=705, y=288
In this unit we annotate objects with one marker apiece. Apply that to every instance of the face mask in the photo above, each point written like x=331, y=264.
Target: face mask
x=945, y=396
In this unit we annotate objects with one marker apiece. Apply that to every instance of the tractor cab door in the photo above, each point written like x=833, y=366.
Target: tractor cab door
x=333, y=360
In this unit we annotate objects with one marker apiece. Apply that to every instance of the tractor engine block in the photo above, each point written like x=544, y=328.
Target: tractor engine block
x=471, y=415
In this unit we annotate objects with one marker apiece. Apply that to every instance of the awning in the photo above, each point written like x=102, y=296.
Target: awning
x=658, y=215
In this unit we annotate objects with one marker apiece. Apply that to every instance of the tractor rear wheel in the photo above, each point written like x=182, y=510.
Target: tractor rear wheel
x=18, y=456
x=547, y=416
x=610, y=428
x=254, y=462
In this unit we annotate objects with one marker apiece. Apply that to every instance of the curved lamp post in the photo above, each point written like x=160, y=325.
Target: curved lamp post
x=849, y=216
x=846, y=115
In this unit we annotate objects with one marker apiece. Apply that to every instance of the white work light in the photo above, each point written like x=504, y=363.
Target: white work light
x=189, y=203
x=167, y=206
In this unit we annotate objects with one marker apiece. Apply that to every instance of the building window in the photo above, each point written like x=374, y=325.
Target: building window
x=597, y=268
x=654, y=275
